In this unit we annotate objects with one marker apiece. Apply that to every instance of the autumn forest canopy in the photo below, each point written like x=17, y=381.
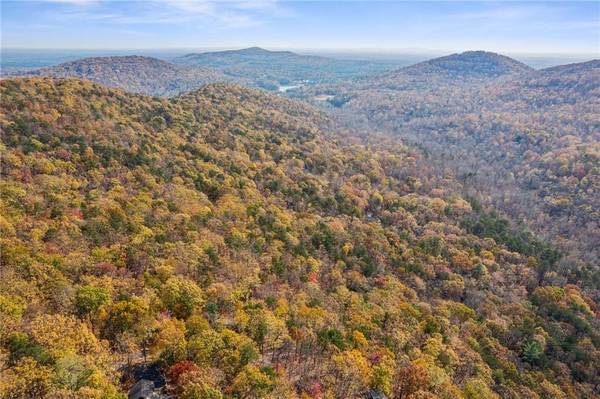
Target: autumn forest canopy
x=258, y=224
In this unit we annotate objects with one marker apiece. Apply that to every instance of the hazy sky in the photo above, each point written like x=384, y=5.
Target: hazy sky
x=506, y=26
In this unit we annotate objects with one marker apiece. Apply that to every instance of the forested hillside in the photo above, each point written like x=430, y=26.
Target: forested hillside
x=135, y=74
x=465, y=67
x=253, y=249
x=527, y=140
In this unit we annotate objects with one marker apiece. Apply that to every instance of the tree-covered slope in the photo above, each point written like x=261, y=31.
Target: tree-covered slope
x=135, y=74
x=254, y=250
x=499, y=133
x=471, y=65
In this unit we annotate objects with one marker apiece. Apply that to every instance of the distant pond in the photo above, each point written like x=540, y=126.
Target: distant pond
x=284, y=88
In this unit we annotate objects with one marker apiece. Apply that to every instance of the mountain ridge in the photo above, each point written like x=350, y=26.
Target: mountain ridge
x=593, y=64
x=470, y=66
x=485, y=63
x=138, y=74
x=244, y=51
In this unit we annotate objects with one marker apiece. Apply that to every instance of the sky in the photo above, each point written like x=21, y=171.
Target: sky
x=571, y=27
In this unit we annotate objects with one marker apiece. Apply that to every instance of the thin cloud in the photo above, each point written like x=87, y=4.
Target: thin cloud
x=75, y=2
x=548, y=17
x=508, y=13
x=194, y=6
x=219, y=14
x=228, y=13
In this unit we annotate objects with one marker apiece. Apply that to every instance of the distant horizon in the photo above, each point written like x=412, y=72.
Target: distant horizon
x=23, y=59
x=344, y=50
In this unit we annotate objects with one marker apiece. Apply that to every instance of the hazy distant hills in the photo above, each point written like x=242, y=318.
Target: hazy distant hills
x=271, y=69
x=136, y=74
x=226, y=58
x=526, y=138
